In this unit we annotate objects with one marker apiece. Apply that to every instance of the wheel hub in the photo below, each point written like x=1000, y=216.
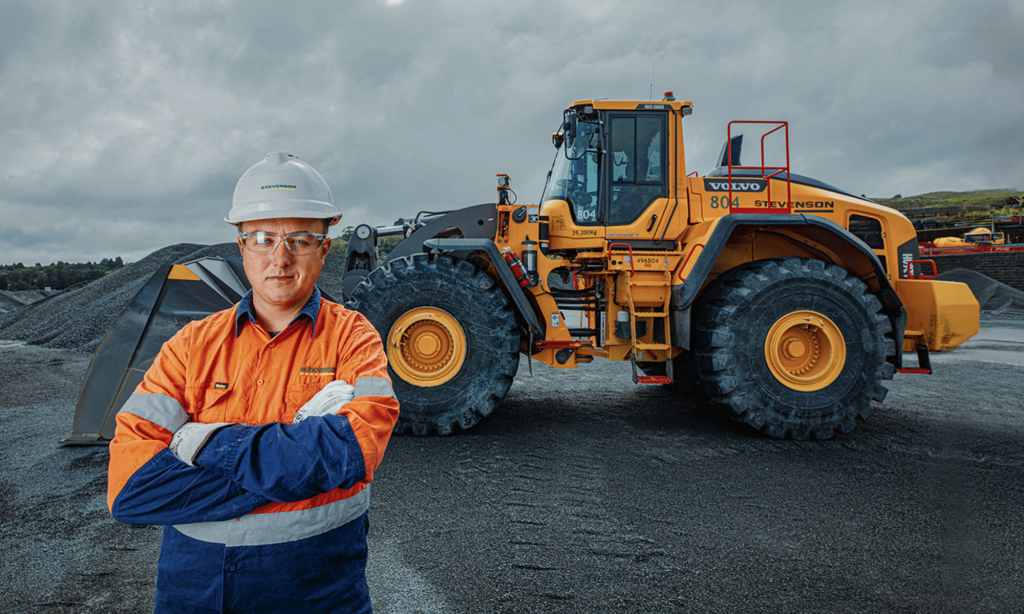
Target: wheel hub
x=426, y=347
x=805, y=351
x=428, y=344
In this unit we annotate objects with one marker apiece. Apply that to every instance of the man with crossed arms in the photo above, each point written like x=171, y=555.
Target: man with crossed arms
x=254, y=436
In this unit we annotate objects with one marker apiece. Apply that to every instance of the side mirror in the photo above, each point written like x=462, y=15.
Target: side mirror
x=569, y=127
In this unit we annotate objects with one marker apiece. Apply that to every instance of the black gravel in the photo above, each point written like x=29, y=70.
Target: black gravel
x=588, y=494
x=585, y=493
x=78, y=319
x=13, y=299
x=993, y=296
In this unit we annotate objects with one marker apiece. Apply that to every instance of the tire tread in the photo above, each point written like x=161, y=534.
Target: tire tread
x=722, y=314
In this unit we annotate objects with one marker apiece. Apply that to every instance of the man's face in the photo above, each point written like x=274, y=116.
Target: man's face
x=279, y=279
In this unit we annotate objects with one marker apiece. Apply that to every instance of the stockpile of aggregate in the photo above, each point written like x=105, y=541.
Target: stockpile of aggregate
x=13, y=299
x=78, y=318
x=993, y=296
x=9, y=301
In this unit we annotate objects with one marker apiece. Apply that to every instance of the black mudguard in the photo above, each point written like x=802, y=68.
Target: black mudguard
x=684, y=295
x=531, y=325
x=463, y=232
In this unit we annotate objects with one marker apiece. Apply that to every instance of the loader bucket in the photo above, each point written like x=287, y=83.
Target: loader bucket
x=173, y=296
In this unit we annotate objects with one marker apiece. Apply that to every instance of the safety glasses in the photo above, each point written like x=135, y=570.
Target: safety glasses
x=298, y=243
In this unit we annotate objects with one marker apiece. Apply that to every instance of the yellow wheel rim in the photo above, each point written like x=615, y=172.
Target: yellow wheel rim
x=426, y=347
x=805, y=351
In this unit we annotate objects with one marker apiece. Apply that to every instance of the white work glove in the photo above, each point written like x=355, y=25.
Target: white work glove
x=190, y=439
x=328, y=401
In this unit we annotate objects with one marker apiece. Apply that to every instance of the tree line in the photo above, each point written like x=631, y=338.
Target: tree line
x=56, y=276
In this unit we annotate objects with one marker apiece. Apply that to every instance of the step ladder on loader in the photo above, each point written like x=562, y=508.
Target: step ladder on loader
x=651, y=317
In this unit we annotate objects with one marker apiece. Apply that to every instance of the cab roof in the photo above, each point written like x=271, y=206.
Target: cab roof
x=630, y=105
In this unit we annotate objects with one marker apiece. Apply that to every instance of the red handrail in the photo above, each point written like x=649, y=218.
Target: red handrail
x=784, y=126
x=683, y=268
x=632, y=267
x=910, y=270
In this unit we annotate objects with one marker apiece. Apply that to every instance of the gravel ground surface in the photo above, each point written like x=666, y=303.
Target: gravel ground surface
x=585, y=493
x=582, y=493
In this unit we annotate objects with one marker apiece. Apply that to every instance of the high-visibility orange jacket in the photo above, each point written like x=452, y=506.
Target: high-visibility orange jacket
x=273, y=515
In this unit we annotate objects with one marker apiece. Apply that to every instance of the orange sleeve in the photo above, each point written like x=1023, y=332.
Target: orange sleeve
x=373, y=411
x=147, y=421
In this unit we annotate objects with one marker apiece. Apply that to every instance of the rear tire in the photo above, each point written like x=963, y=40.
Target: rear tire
x=451, y=338
x=793, y=347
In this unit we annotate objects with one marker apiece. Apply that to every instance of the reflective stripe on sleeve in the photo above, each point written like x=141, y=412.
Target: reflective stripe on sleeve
x=373, y=386
x=159, y=409
x=280, y=527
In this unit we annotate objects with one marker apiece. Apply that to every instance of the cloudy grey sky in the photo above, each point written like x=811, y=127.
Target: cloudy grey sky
x=125, y=125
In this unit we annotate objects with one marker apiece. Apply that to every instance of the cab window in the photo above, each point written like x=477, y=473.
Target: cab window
x=638, y=165
x=575, y=175
x=868, y=230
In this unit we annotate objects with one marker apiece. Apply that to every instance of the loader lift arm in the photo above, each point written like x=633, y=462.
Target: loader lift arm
x=361, y=257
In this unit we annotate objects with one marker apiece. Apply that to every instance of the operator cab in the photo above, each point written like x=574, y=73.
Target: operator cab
x=613, y=165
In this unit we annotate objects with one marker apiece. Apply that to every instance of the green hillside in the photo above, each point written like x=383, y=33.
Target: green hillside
x=964, y=205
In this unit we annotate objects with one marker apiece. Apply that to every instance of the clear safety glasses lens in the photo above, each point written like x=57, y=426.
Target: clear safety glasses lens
x=298, y=243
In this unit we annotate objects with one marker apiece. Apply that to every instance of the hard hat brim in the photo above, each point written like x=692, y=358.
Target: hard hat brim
x=283, y=209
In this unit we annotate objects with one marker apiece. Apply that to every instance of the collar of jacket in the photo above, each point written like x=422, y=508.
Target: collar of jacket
x=311, y=311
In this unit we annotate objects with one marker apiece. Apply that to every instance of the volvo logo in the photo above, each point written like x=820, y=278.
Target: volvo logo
x=738, y=185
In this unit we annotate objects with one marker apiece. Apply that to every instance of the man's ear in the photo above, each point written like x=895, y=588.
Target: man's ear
x=327, y=248
x=241, y=251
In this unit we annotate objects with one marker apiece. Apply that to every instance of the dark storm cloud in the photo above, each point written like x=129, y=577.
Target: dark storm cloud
x=126, y=124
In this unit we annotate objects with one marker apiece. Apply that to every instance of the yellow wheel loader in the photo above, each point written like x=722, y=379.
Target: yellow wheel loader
x=787, y=301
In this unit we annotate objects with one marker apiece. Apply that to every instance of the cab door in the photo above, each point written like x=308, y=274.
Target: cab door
x=636, y=168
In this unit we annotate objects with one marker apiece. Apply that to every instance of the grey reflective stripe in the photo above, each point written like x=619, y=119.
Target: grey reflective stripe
x=279, y=527
x=373, y=386
x=159, y=409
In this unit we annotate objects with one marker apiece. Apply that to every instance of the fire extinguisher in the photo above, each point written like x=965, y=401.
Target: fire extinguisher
x=516, y=265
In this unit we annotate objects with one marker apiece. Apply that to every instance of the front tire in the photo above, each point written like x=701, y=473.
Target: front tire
x=793, y=347
x=450, y=335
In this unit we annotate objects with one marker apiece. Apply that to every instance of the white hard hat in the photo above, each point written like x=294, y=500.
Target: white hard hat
x=281, y=186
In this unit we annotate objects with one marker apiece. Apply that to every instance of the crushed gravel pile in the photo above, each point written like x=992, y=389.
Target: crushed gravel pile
x=8, y=301
x=993, y=296
x=78, y=318
x=11, y=300
x=330, y=277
